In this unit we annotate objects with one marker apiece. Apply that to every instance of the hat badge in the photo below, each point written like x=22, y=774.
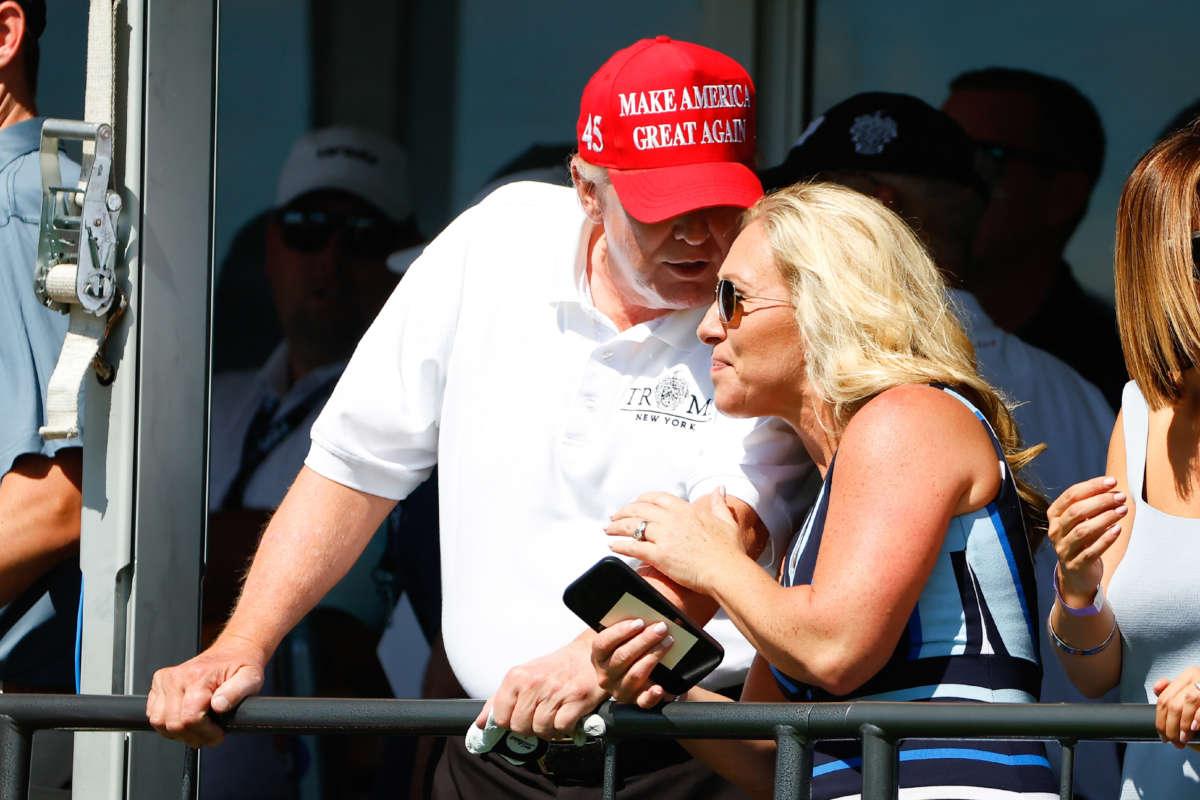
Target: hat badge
x=872, y=132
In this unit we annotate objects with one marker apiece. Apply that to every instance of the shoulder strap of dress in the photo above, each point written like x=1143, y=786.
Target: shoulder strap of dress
x=979, y=414
x=1135, y=416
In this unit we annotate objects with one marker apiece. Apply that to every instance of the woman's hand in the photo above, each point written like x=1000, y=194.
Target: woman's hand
x=688, y=542
x=624, y=655
x=1084, y=522
x=1178, y=715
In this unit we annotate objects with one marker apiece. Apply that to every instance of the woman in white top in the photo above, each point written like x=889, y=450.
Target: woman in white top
x=1135, y=533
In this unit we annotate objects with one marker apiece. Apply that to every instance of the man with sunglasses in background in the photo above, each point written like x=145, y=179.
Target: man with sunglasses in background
x=1046, y=145
x=40, y=479
x=543, y=352
x=336, y=243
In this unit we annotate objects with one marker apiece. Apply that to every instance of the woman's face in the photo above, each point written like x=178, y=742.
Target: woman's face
x=758, y=356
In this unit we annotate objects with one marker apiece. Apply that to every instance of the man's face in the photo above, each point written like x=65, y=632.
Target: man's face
x=666, y=265
x=1006, y=123
x=326, y=260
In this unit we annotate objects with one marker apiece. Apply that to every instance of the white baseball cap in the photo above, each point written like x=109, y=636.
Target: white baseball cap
x=358, y=162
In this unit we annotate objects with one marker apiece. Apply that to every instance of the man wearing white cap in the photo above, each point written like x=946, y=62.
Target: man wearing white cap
x=342, y=208
x=543, y=352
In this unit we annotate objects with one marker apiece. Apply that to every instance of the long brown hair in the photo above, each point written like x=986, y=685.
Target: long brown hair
x=1157, y=311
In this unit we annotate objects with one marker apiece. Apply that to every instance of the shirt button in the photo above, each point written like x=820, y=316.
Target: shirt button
x=590, y=403
x=606, y=355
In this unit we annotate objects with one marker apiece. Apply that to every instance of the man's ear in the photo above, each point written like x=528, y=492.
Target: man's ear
x=589, y=196
x=12, y=31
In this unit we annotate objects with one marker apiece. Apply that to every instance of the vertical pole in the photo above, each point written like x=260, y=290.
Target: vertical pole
x=1066, y=775
x=14, y=759
x=175, y=279
x=793, y=765
x=880, y=766
x=610, y=769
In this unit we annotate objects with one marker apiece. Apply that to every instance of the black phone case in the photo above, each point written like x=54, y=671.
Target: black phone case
x=593, y=593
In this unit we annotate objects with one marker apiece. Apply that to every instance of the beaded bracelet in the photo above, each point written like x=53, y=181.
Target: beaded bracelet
x=1074, y=651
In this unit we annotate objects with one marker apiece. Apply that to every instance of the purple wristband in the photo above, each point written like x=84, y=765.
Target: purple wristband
x=1096, y=606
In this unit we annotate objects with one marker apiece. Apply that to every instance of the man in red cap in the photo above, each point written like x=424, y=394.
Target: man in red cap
x=542, y=351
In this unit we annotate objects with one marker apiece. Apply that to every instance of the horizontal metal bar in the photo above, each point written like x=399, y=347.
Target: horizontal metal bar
x=1102, y=721
x=812, y=721
x=70, y=129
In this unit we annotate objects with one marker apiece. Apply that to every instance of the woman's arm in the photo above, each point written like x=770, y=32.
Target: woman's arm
x=909, y=460
x=1090, y=524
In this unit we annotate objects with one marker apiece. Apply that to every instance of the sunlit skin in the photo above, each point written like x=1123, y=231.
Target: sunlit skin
x=758, y=367
x=877, y=547
x=640, y=271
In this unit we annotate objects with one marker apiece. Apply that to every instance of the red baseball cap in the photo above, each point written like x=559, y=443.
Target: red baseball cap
x=674, y=124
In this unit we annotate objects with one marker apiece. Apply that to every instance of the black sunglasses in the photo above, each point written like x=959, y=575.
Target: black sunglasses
x=310, y=231
x=1001, y=153
x=729, y=301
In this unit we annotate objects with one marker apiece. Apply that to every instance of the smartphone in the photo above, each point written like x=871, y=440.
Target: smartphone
x=611, y=591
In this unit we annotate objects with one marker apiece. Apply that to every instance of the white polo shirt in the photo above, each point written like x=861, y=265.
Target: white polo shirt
x=490, y=359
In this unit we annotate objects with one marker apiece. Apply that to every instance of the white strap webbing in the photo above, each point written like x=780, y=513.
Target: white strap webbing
x=85, y=329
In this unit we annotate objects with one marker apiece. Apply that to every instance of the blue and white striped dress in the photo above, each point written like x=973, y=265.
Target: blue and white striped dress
x=970, y=637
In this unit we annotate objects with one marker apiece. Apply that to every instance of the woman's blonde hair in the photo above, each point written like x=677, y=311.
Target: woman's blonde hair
x=874, y=313
x=1154, y=271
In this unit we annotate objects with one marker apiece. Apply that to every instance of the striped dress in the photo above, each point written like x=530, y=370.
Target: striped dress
x=971, y=636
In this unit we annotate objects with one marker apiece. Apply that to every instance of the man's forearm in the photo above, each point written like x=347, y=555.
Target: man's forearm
x=314, y=538
x=40, y=503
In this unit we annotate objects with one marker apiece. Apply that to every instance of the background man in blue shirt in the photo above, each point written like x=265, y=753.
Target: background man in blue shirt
x=40, y=487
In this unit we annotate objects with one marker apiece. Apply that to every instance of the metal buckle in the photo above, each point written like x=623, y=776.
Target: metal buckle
x=78, y=223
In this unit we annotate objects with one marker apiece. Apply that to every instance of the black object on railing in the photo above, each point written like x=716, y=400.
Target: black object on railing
x=794, y=726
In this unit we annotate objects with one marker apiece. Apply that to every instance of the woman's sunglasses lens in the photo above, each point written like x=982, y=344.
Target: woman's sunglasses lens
x=726, y=300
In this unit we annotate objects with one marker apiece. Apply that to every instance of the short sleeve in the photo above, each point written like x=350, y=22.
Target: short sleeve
x=379, y=431
x=763, y=463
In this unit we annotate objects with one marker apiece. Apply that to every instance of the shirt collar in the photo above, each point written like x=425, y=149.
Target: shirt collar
x=20, y=139
x=571, y=287
x=274, y=376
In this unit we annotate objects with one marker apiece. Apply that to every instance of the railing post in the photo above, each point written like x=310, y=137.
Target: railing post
x=793, y=765
x=14, y=759
x=1066, y=775
x=610, y=769
x=880, y=765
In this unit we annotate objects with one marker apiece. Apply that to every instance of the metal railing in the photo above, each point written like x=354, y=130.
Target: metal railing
x=794, y=726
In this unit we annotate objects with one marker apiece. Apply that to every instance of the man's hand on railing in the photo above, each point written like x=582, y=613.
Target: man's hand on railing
x=218, y=679
x=1178, y=714
x=549, y=695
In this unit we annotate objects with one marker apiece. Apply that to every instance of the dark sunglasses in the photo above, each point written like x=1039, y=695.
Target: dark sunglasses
x=729, y=301
x=1001, y=153
x=310, y=231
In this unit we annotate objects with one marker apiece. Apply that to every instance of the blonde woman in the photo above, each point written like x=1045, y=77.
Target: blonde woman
x=912, y=578
x=1135, y=533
